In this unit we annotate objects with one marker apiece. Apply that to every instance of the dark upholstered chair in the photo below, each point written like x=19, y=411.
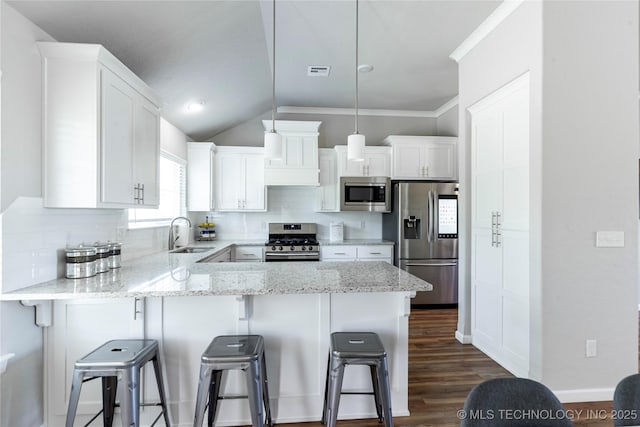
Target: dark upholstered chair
x=626, y=402
x=513, y=402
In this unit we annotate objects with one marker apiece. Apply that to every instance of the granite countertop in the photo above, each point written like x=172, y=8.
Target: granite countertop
x=170, y=274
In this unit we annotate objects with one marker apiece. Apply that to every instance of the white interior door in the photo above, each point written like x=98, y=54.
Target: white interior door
x=500, y=225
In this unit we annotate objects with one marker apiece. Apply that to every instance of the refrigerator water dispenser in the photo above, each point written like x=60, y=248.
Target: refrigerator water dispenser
x=411, y=229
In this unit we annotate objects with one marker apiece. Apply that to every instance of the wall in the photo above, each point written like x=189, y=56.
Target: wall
x=447, y=123
x=512, y=49
x=291, y=204
x=21, y=386
x=584, y=150
x=33, y=237
x=590, y=145
x=334, y=129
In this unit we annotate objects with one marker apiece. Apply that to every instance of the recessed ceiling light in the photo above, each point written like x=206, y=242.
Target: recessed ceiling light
x=365, y=68
x=195, y=106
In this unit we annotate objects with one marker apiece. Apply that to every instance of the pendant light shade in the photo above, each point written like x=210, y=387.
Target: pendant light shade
x=355, y=147
x=272, y=139
x=272, y=145
x=356, y=141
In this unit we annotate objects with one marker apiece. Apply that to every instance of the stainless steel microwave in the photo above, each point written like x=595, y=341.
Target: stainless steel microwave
x=365, y=193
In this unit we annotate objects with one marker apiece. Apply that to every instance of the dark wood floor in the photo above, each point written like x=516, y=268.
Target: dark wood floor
x=442, y=372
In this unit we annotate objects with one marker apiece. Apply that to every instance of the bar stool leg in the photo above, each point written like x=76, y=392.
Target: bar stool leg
x=109, y=387
x=385, y=395
x=335, y=387
x=325, y=405
x=201, y=396
x=376, y=391
x=254, y=392
x=157, y=368
x=76, y=385
x=214, y=393
x=130, y=397
x=265, y=390
x=125, y=399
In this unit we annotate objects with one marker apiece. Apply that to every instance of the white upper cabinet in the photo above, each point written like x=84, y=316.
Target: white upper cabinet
x=328, y=192
x=239, y=179
x=299, y=162
x=377, y=162
x=200, y=176
x=423, y=157
x=101, y=143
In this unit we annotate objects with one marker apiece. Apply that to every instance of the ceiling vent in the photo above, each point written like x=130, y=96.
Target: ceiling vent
x=318, y=70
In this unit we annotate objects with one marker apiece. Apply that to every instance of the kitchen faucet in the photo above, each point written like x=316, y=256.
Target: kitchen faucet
x=172, y=239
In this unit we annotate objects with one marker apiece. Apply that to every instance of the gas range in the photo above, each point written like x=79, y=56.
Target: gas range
x=292, y=242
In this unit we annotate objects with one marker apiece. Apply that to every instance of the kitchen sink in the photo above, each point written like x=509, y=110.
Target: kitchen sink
x=192, y=250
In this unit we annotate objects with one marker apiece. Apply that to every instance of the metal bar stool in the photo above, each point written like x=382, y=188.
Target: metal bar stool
x=244, y=352
x=118, y=359
x=357, y=348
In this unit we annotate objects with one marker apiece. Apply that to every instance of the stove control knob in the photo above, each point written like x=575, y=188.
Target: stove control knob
x=304, y=249
x=280, y=248
x=273, y=248
x=292, y=247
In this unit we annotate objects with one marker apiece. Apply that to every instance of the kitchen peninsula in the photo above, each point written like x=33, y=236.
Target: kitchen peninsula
x=184, y=303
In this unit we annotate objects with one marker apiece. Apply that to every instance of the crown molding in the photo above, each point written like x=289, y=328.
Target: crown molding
x=371, y=112
x=453, y=102
x=501, y=13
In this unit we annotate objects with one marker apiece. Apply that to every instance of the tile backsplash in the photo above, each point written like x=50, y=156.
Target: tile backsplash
x=34, y=237
x=290, y=204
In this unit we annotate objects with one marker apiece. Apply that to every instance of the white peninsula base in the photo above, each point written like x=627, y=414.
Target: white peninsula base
x=295, y=327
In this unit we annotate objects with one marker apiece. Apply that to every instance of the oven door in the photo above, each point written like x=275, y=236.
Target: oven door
x=291, y=256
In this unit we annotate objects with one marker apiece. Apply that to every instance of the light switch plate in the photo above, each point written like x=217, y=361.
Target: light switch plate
x=610, y=239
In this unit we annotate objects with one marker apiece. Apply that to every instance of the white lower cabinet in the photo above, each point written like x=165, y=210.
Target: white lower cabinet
x=79, y=327
x=296, y=329
x=220, y=256
x=247, y=253
x=357, y=253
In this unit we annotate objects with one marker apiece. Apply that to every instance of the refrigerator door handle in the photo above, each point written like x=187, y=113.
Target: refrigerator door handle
x=429, y=264
x=430, y=220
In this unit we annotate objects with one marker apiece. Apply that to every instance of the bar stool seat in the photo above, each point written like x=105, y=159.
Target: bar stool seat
x=357, y=348
x=118, y=360
x=226, y=352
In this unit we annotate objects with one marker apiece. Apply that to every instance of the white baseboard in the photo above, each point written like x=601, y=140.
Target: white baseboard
x=585, y=395
x=463, y=339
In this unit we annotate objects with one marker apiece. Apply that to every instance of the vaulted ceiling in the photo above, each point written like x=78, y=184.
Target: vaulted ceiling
x=220, y=52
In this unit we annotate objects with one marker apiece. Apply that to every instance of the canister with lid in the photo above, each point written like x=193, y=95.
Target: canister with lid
x=114, y=255
x=81, y=262
x=103, y=253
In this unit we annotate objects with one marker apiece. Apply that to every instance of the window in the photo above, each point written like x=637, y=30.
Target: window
x=172, y=195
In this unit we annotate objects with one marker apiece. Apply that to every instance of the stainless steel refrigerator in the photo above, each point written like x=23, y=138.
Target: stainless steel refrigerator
x=424, y=225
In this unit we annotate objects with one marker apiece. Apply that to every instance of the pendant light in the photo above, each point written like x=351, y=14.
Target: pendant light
x=272, y=139
x=355, y=141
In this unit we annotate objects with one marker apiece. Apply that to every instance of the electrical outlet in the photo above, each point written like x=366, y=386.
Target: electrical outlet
x=120, y=233
x=591, y=348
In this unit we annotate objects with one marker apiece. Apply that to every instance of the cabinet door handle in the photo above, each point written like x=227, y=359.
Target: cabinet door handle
x=339, y=253
x=375, y=253
x=137, y=309
x=426, y=171
x=142, y=190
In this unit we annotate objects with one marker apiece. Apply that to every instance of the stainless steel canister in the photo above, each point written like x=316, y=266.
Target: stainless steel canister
x=81, y=262
x=114, y=255
x=103, y=253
